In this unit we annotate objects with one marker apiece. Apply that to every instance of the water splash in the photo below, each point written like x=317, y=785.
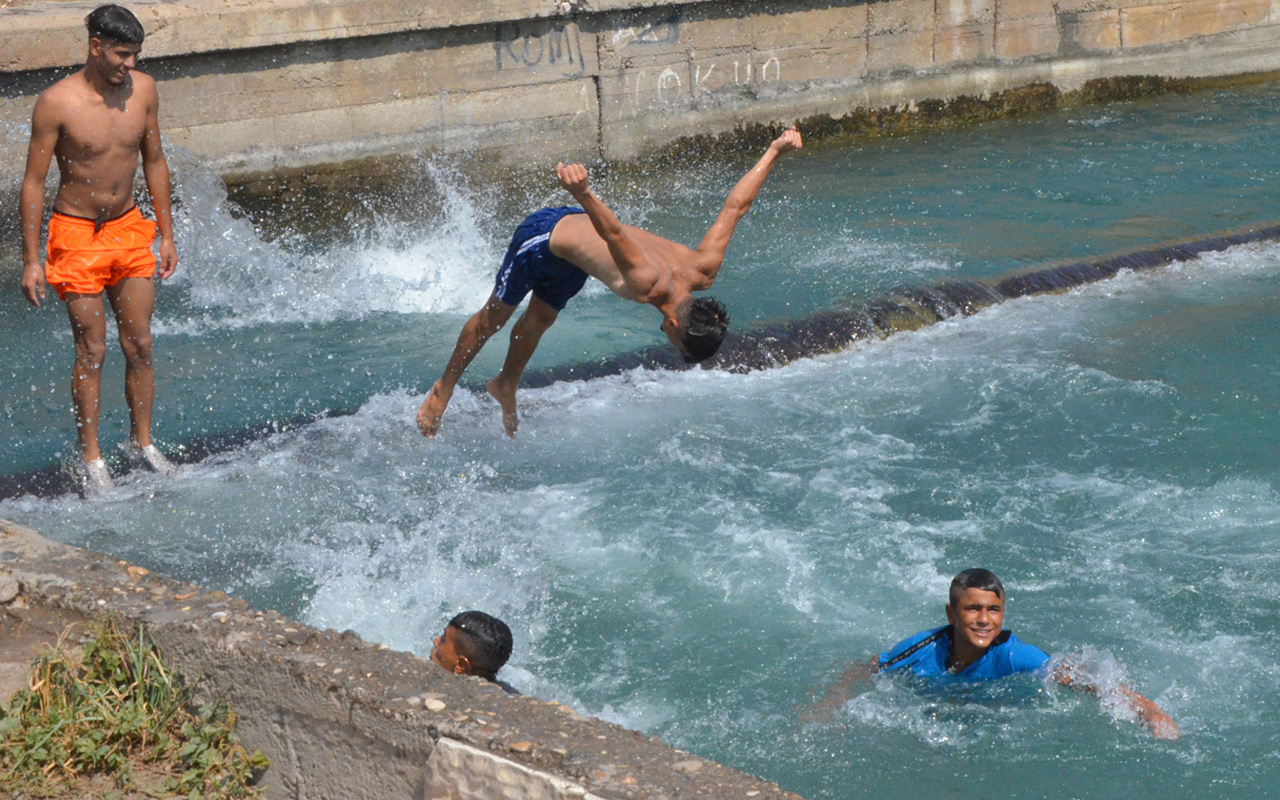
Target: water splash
x=233, y=278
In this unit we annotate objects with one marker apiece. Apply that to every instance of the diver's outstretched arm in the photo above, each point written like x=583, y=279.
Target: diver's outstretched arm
x=744, y=193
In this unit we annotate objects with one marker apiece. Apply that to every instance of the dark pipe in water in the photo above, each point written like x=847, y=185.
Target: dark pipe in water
x=903, y=309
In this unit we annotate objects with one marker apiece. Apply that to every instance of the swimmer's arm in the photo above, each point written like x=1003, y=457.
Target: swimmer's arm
x=45, y=128
x=640, y=276
x=1149, y=713
x=838, y=692
x=155, y=169
x=739, y=201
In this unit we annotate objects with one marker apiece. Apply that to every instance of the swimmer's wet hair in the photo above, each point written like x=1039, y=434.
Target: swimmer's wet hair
x=977, y=578
x=702, y=329
x=484, y=640
x=114, y=24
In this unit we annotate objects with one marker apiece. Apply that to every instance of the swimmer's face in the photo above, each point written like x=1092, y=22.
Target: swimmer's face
x=976, y=618
x=445, y=653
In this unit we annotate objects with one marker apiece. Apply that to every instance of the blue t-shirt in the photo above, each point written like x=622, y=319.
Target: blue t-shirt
x=1007, y=656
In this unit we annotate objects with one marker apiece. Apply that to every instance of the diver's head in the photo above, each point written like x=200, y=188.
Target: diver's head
x=698, y=328
x=473, y=643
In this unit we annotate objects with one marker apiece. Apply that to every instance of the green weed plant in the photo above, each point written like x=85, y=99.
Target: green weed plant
x=119, y=711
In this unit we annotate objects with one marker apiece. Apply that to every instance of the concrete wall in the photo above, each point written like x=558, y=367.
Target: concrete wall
x=256, y=85
x=339, y=717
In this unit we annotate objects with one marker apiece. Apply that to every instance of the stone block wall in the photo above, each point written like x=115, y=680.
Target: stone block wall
x=256, y=86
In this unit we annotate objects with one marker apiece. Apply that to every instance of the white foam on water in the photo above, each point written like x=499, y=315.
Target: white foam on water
x=235, y=279
x=1096, y=122
x=778, y=524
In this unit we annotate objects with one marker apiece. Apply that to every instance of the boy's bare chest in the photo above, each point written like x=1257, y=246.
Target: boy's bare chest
x=89, y=132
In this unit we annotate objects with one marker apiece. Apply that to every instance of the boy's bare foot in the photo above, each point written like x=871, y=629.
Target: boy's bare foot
x=506, y=399
x=431, y=412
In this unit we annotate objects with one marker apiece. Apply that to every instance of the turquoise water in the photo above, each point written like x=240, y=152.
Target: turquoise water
x=696, y=555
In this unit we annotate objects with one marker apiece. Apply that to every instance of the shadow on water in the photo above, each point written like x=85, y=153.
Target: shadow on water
x=767, y=346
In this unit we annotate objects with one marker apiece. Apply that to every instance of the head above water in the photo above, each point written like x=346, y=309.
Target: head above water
x=976, y=578
x=976, y=613
x=473, y=643
x=702, y=325
x=111, y=23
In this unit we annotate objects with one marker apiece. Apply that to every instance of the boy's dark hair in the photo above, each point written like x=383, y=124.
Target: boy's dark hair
x=702, y=328
x=976, y=578
x=484, y=640
x=114, y=24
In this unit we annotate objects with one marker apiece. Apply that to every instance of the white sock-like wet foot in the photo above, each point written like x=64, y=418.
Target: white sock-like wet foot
x=94, y=479
x=151, y=458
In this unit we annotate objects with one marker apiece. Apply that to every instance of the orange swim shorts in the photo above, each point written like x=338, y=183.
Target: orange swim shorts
x=85, y=256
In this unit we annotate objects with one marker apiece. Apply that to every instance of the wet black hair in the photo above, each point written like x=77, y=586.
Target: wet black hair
x=702, y=328
x=976, y=578
x=112, y=23
x=484, y=640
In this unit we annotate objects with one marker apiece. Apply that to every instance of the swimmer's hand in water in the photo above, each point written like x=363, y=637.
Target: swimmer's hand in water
x=573, y=177
x=1160, y=724
x=838, y=693
x=1151, y=715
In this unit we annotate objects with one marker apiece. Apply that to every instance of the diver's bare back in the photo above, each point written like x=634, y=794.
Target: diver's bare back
x=575, y=240
x=99, y=142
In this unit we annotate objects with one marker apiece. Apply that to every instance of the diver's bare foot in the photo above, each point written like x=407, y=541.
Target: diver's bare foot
x=506, y=399
x=431, y=412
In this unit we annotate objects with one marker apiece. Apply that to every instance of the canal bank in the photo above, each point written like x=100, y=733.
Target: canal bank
x=340, y=717
x=264, y=86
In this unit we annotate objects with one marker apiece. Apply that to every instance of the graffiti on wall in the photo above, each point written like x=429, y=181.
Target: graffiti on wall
x=665, y=86
x=665, y=32
x=517, y=46
x=745, y=73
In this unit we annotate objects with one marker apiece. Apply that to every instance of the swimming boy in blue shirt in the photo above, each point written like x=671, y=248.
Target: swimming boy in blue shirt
x=975, y=647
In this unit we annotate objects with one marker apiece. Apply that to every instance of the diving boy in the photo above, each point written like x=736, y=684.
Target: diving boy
x=555, y=250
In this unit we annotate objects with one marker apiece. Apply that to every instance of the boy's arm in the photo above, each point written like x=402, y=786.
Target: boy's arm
x=640, y=276
x=739, y=201
x=44, y=139
x=155, y=169
x=1149, y=713
x=838, y=692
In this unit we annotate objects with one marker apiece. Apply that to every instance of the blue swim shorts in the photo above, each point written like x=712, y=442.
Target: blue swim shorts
x=531, y=266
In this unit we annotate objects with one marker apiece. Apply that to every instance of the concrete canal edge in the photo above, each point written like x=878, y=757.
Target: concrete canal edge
x=340, y=717
x=254, y=86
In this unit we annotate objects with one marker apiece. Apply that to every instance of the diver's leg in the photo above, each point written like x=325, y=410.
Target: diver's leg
x=477, y=330
x=525, y=335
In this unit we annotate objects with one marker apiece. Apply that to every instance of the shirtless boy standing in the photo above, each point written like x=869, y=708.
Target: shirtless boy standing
x=555, y=250
x=97, y=122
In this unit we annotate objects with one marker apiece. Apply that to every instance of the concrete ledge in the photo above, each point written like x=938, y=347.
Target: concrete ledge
x=460, y=772
x=41, y=35
x=343, y=718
